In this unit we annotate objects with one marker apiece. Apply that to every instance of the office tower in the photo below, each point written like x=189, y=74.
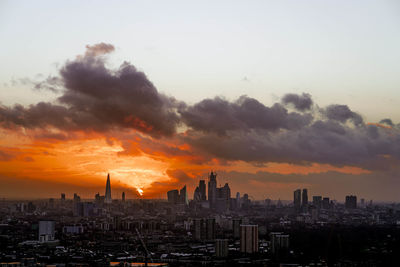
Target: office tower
x=198, y=229
x=297, y=200
x=210, y=229
x=62, y=197
x=123, y=196
x=304, y=201
x=362, y=203
x=238, y=204
x=173, y=196
x=279, y=241
x=107, y=198
x=351, y=202
x=221, y=248
x=249, y=238
x=202, y=188
x=223, y=198
x=197, y=194
x=325, y=203
x=212, y=189
x=46, y=231
x=183, y=197
x=317, y=201
x=236, y=228
x=77, y=198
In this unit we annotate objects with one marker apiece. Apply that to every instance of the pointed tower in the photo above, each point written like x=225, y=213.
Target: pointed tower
x=107, y=198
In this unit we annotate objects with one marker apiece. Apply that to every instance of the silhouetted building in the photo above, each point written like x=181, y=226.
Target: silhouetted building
x=123, y=196
x=317, y=201
x=351, y=202
x=279, y=241
x=197, y=194
x=212, y=189
x=173, y=196
x=297, y=199
x=62, y=197
x=304, y=199
x=107, y=198
x=183, y=197
x=249, y=238
x=325, y=203
x=198, y=229
x=202, y=188
x=236, y=228
x=46, y=231
x=221, y=248
x=210, y=229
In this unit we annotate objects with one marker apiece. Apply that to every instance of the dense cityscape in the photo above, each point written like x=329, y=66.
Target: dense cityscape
x=212, y=229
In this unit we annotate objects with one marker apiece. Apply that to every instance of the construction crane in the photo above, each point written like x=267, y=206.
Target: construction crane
x=146, y=251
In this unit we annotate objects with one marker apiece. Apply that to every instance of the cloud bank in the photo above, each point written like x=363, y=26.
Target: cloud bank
x=96, y=98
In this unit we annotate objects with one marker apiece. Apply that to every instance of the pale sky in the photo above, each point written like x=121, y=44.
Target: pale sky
x=343, y=52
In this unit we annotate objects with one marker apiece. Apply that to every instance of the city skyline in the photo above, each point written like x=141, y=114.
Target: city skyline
x=292, y=96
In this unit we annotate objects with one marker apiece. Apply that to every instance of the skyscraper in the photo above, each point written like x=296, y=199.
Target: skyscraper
x=249, y=238
x=304, y=202
x=123, y=196
x=183, y=197
x=173, y=196
x=202, y=188
x=212, y=189
x=107, y=198
x=351, y=202
x=297, y=199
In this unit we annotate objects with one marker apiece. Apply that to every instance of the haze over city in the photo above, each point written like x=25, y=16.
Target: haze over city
x=272, y=96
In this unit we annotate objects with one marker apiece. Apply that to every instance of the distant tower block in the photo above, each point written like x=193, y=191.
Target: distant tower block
x=107, y=198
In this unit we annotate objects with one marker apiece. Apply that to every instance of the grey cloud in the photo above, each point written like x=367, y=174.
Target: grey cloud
x=96, y=98
x=323, y=142
x=300, y=102
x=219, y=116
x=343, y=113
x=387, y=122
x=99, y=49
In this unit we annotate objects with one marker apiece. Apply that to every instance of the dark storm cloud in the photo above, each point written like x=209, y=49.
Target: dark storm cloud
x=98, y=98
x=387, y=122
x=300, y=102
x=219, y=116
x=343, y=113
x=322, y=142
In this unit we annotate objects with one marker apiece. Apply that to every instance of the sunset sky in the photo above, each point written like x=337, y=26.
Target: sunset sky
x=272, y=95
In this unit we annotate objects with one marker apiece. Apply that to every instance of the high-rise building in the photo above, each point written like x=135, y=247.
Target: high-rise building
x=317, y=201
x=238, y=204
x=46, y=231
x=304, y=202
x=197, y=194
x=325, y=203
x=183, y=197
x=297, y=199
x=236, y=228
x=210, y=229
x=221, y=248
x=62, y=197
x=198, y=229
x=202, y=188
x=212, y=189
x=351, y=202
x=123, y=196
x=279, y=241
x=107, y=198
x=173, y=196
x=249, y=238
